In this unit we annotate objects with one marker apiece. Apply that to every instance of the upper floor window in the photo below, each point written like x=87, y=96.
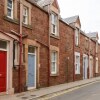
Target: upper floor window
x=96, y=47
x=77, y=37
x=25, y=15
x=10, y=8
x=54, y=22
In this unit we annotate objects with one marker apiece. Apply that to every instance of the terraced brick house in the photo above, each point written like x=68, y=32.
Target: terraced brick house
x=39, y=49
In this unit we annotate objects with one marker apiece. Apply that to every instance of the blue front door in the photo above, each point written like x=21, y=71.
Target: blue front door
x=31, y=71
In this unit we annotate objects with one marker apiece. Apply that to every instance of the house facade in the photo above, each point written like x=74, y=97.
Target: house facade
x=39, y=49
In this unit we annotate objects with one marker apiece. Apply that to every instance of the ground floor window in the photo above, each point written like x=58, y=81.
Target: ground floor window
x=77, y=63
x=3, y=45
x=54, y=56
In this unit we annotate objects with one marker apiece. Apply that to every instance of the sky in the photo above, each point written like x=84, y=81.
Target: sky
x=88, y=11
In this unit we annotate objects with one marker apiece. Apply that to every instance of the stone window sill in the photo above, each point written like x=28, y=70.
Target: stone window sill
x=54, y=75
x=11, y=20
x=56, y=37
x=16, y=22
x=27, y=26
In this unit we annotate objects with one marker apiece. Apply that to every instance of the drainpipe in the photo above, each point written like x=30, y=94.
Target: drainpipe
x=20, y=54
x=89, y=60
x=49, y=45
x=13, y=53
x=74, y=57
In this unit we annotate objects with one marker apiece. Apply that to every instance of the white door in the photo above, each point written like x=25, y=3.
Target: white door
x=91, y=67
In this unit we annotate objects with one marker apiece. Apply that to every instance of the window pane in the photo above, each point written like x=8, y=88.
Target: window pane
x=52, y=18
x=25, y=11
x=3, y=44
x=54, y=29
x=54, y=56
x=77, y=36
x=24, y=19
x=9, y=12
x=77, y=59
x=53, y=67
x=9, y=4
x=31, y=49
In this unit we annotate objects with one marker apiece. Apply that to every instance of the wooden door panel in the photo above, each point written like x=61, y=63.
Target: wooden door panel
x=3, y=66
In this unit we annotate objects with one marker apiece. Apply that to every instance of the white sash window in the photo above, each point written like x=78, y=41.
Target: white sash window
x=54, y=62
x=10, y=8
x=77, y=63
x=54, y=22
x=25, y=15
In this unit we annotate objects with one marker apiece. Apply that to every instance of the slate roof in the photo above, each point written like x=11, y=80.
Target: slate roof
x=93, y=34
x=44, y=2
x=72, y=19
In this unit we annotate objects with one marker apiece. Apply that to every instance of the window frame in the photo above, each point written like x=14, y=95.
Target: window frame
x=77, y=68
x=77, y=37
x=26, y=15
x=54, y=17
x=54, y=49
x=12, y=9
x=54, y=61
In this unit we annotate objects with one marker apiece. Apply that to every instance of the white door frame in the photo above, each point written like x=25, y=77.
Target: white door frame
x=30, y=88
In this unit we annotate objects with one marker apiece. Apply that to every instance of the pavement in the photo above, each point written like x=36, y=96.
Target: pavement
x=42, y=92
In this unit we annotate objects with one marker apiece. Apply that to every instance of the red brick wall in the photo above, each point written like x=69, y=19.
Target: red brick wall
x=65, y=44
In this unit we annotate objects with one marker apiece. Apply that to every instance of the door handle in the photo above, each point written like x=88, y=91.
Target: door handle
x=0, y=74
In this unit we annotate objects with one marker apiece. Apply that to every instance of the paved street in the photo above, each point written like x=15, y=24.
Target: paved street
x=90, y=92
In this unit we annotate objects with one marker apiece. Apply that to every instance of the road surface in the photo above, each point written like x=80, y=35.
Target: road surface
x=90, y=92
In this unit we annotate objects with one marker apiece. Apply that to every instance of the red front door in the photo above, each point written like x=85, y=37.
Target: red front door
x=3, y=66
